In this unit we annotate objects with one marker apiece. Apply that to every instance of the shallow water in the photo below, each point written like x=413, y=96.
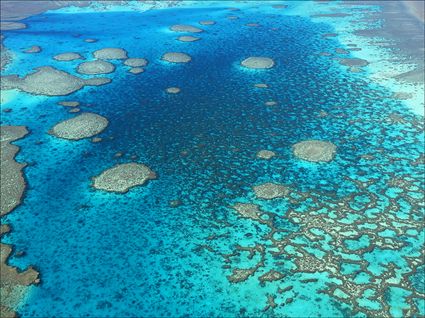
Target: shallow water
x=102, y=254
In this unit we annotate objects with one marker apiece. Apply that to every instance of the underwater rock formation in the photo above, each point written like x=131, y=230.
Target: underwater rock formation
x=188, y=38
x=248, y=210
x=185, y=28
x=7, y=26
x=270, y=103
x=256, y=62
x=33, y=49
x=95, y=67
x=82, y=126
x=45, y=80
x=122, y=177
x=207, y=22
x=136, y=70
x=270, y=276
x=97, y=81
x=69, y=56
x=353, y=62
x=269, y=191
x=110, y=54
x=173, y=90
x=69, y=103
x=176, y=57
x=315, y=150
x=136, y=62
x=12, y=282
x=12, y=180
x=265, y=154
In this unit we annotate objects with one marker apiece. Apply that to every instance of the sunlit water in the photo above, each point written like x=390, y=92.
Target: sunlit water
x=104, y=254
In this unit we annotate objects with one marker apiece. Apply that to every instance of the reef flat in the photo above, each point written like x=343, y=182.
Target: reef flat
x=123, y=177
x=176, y=57
x=315, y=150
x=70, y=56
x=12, y=180
x=12, y=282
x=110, y=54
x=95, y=67
x=45, y=80
x=290, y=188
x=257, y=62
x=82, y=126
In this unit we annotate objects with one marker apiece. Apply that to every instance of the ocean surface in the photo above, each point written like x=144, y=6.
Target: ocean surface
x=102, y=254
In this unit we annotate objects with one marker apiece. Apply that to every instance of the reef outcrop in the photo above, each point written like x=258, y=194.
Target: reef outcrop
x=256, y=62
x=12, y=282
x=136, y=70
x=207, y=22
x=82, y=126
x=110, y=53
x=265, y=154
x=122, y=177
x=95, y=67
x=185, y=28
x=269, y=191
x=188, y=38
x=46, y=80
x=136, y=62
x=68, y=56
x=353, y=62
x=173, y=90
x=176, y=57
x=12, y=180
x=315, y=150
x=33, y=49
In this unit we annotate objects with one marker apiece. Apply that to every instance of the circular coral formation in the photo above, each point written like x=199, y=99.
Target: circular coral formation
x=261, y=85
x=257, y=62
x=122, y=177
x=45, y=81
x=82, y=126
x=269, y=191
x=173, y=90
x=68, y=56
x=176, y=57
x=136, y=70
x=265, y=154
x=136, y=62
x=33, y=49
x=207, y=22
x=185, y=28
x=353, y=62
x=315, y=150
x=95, y=67
x=110, y=53
x=90, y=40
x=188, y=38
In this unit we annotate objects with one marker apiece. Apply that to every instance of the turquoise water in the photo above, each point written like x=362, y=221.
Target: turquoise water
x=102, y=254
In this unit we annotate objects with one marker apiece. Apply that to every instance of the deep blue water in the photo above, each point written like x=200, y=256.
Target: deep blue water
x=103, y=254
